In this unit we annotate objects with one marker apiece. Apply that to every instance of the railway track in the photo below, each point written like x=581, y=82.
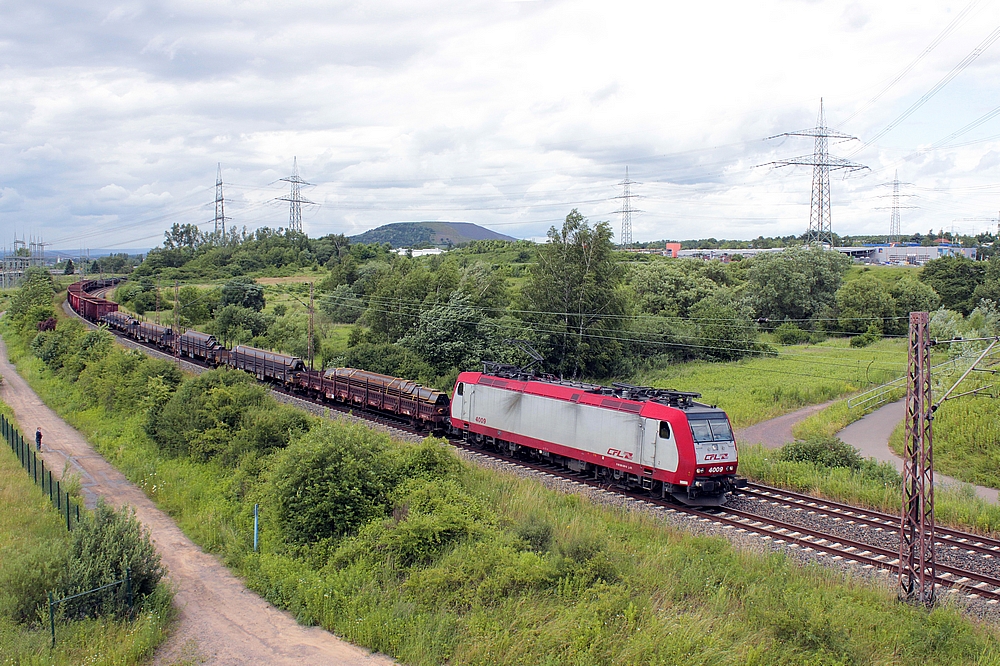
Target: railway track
x=968, y=580
x=945, y=536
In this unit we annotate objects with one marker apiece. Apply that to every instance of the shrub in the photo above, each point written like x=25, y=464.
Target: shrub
x=103, y=548
x=330, y=481
x=27, y=576
x=826, y=450
x=536, y=533
x=869, y=337
x=790, y=334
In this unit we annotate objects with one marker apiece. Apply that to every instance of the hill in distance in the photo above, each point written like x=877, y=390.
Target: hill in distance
x=427, y=234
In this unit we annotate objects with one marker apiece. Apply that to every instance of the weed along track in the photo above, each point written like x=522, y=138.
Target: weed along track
x=760, y=517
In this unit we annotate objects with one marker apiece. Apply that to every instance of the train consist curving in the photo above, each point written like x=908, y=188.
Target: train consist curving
x=657, y=440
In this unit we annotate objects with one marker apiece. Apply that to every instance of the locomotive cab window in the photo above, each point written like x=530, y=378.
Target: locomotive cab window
x=461, y=388
x=701, y=431
x=664, y=430
x=711, y=430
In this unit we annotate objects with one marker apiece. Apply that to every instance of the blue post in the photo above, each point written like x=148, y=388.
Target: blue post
x=52, y=620
x=255, y=527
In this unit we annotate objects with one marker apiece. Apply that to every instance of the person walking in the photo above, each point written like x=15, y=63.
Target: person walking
x=38, y=439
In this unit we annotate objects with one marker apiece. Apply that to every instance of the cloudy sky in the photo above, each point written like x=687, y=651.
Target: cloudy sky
x=114, y=116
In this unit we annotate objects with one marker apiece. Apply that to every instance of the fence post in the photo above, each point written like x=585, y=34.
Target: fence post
x=68, y=528
x=77, y=514
x=43, y=475
x=58, y=496
x=50, y=485
x=34, y=472
x=52, y=620
x=255, y=527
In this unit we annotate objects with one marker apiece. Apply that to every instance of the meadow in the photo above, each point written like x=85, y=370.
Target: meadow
x=756, y=389
x=31, y=530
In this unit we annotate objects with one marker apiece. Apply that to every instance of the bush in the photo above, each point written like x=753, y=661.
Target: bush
x=329, y=482
x=790, y=334
x=221, y=413
x=828, y=451
x=103, y=548
x=869, y=337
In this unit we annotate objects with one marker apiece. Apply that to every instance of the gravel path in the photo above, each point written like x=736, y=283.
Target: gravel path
x=219, y=621
x=870, y=435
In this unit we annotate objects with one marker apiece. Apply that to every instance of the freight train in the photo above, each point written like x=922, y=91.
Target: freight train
x=657, y=440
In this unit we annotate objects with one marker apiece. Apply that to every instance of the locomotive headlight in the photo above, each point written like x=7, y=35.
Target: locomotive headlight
x=730, y=468
x=699, y=470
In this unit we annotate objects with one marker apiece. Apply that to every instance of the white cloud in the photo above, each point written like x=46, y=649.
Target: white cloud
x=504, y=114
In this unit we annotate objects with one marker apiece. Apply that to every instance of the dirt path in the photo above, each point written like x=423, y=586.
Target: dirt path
x=777, y=431
x=220, y=621
x=870, y=435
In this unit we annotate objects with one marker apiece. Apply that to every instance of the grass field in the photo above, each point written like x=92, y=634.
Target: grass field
x=966, y=436
x=30, y=529
x=758, y=389
x=603, y=586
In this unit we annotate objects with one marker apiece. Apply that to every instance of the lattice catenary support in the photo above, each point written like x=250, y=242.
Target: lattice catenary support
x=916, y=530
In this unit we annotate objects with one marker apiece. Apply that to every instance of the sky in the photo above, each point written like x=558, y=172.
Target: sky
x=114, y=116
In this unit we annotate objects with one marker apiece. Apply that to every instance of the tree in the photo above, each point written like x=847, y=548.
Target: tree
x=236, y=324
x=70, y=268
x=183, y=236
x=244, y=292
x=990, y=286
x=672, y=287
x=864, y=302
x=32, y=302
x=955, y=280
x=448, y=336
x=341, y=305
x=911, y=295
x=796, y=284
x=574, y=301
x=726, y=328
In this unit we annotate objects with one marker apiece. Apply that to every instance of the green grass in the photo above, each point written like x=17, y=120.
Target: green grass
x=966, y=436
x=29, y=528
x=758, y=389
x=612, y=586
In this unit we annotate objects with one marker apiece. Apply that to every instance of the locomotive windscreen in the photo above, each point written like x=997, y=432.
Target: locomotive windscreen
x=711, y=430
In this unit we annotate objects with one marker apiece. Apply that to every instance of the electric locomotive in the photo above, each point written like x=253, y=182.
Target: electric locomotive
x=658, y=440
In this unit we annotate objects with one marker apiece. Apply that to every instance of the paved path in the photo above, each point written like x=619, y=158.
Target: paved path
x=220, y=622
x=777, y=432
x=870, y=435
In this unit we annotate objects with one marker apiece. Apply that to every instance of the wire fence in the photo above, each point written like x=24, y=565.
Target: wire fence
x=34, y=465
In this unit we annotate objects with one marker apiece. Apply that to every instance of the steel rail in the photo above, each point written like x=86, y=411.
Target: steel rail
x=945, y=535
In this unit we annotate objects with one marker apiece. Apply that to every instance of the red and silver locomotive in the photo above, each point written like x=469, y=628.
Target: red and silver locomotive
x=654, y=439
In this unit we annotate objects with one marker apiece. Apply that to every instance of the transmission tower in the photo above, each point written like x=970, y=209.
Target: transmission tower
x=626, y=211
x=294, y=198
x=820, y=225
x=220, y=205
x=894, y=220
